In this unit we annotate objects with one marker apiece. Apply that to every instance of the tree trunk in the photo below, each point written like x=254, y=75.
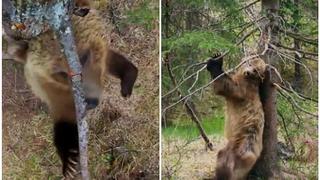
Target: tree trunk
x=297, y=83
x=266, y=166
x=165, y=21
x=193, y=20
x=166, y=17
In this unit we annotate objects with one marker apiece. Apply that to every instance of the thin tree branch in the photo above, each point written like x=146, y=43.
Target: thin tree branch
x=208, y=84
x=292, y=100
x=310, y=58
x=204, y=63
x=298, y=50
x=276, y=50
x=298, y=94
x=301, y=37
x=286, y=129
x=236, y=11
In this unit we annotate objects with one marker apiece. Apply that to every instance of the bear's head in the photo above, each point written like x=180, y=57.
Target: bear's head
x=252, y=69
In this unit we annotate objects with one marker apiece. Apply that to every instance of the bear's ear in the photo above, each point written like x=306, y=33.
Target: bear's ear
x=274, y=74
x=17, y=50
x=122, y=68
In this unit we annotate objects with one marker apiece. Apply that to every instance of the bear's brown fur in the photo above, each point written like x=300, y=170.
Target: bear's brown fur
x=244, y=116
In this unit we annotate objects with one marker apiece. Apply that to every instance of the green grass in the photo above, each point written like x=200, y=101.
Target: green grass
x=188, y=129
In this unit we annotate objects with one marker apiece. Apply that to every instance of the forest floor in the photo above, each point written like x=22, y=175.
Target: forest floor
x=189, y=159
x=123, y=134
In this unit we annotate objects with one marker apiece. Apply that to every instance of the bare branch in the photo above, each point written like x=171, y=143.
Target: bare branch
x=298, y=94
x=292, y=100
x=204, y=63
x=298, y=50
x=301, y=37
x=286, y=129
x=208, y=84
x=310, y=58
x=276, y=50
x=236, y=11
x=247, y=35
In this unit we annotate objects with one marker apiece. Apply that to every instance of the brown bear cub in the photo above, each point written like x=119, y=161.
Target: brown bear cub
x=245, y=117
x=48, y=74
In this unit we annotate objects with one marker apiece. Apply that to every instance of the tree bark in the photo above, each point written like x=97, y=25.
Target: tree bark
x=61, y=24
x=166, y=17
x=266, y=166
x=297, y=83
x=193, y=20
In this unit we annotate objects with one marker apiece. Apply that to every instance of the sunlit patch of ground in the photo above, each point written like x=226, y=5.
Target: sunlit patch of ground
x=189, y=159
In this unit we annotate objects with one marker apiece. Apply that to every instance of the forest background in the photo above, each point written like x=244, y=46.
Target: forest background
x=118, y=127
x=192, y=31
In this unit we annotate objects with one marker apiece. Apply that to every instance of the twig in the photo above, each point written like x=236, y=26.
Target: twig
x=247, y=35
x=310, y=58
x=291, y=99
x=251, y=23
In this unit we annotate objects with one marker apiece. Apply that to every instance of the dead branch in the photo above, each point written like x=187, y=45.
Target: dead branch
x=310, y=58
x=286, y=130
x=251, y=23
x=204, y=63
x=297, y=50
x=247, y=35
x=208, y=84
x=190, y=110
x=300, y=37
x=292, y=100
x=291, y=90
x=236, y=11
x=276, y=50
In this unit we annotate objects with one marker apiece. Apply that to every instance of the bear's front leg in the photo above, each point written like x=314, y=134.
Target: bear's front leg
x=224, y=85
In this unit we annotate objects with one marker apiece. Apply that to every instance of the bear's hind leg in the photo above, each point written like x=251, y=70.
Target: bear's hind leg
x=66, y=142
